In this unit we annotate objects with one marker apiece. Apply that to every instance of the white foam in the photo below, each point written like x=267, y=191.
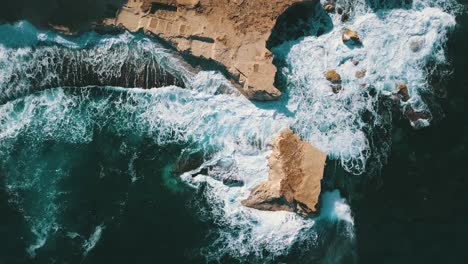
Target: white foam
x=91, y=242
x=335, y=123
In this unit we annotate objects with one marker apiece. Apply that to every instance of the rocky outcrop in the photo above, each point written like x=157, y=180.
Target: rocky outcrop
x=351, y=36
x=403, y=92
x=333, y=76
x=294, y=182
x=233, y=33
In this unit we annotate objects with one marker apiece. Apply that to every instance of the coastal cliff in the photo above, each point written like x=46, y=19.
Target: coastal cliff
x=232, y=33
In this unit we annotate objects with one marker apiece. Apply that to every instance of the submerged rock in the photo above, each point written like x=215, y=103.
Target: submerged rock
x=294, y=181
x=336, y=88
x=329, y=8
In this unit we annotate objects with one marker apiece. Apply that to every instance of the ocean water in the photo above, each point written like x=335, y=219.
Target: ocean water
x=101, y=136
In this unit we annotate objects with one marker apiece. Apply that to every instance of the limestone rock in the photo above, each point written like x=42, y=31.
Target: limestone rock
x=294, y=182
x=232, y=33
x=350, y=35
x=333, y=76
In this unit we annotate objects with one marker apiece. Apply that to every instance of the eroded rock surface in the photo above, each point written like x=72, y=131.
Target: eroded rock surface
x=232, y=33
x=294, y=182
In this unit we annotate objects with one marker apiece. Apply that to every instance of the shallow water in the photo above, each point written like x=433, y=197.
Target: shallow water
x=89, y=166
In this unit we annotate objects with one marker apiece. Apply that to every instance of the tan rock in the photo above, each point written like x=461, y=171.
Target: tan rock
x=294, y=182
x=350, y=35
x=360, y=74
x=232, y=33
x=333, y=76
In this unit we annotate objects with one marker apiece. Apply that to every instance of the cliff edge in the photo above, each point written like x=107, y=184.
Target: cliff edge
x=232, y=33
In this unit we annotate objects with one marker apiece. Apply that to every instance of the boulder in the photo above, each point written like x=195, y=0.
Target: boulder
x=350, y=35
x=403, y=92
x=329, y=8
x=294, y=181
x=333, y=76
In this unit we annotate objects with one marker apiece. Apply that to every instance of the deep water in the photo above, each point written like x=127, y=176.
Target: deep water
x=419, y=214
x=112, y=150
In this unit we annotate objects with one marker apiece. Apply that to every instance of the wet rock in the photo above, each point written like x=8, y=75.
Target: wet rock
x=355, y=62
x=333, y=76
x=415, y=116
x=336, y=88
x=231, y=182
x=344, y=17
x=350, y=35
x=294, y=181
x=188, y=161
x=360, y=74
x=329, y=8
x=403, y=93
x=416, y=44
x=339, y=10
x=227, y=34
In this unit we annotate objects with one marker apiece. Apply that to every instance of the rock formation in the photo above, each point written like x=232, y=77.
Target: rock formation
x=233, y=33
x=403, y=92
x=333, y=76
x=294, y=182
x=350, y=35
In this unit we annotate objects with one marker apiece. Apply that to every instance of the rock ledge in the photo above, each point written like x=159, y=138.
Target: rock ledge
x=232, y=33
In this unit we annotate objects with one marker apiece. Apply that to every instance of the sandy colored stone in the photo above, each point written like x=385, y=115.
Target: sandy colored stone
x=232, y=33
x=294, y=181
x=333, y=76
x=349, y=35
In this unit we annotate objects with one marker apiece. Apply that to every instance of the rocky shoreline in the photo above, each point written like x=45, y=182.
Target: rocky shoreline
x=231, y=33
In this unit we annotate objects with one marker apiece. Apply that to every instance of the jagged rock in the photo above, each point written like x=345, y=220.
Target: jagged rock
x=339, y=10
x=403, y=92
x=294, y=181
x=355, y=62
x=350, y=35
x=415, y=116
x=360, y=74
x=232, y=34
x=333, y=76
